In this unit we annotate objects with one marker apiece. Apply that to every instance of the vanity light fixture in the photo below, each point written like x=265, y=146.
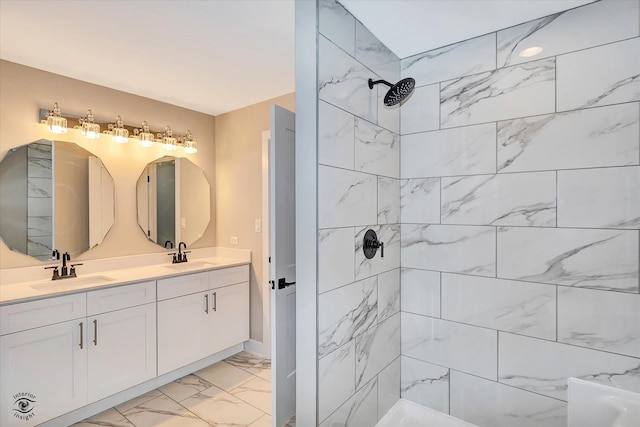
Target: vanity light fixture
x=168, y=141
x=531, y=51
x=90, y=129
x=55, y=122
x=188, y=144
x=146, y=138
x=118, y=132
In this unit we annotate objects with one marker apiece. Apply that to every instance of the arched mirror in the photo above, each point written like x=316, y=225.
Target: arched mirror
x=174, y=202
x=54, y=194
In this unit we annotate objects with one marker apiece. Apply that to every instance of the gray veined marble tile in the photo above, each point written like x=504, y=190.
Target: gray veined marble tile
x=468, y=150
x=336, y=258
x=360, y=410
x=343, y=82
x=506, y=305
x=607, y=22
x=39, y=226
x=388, y=294
x=388, y=387
x=603, y=75
x=456, y=60
x=345, y=313
x=39, y=168
x=39, y=187
x=39, y=206
x=109, y=418
x=420, y=200
x=377, y=150
x=338, y=25
x=525, y=199
x=491, y=404
x=608, y=321
x=336, y=378
x=40, y=246
x=607, y=198
x=40, y=150
x=388, y=200
x=256, y=392
x=346, y=198
x=452, y=248
x=217, y=407
x=425, y=384
x=596, y=137
x=185, y=387
x=335, y=136
x=375, y=55
x=421, y=111
x=447, y=343
x=388, y=117
x=377, y=348
x=390, y=236
x=517, y=91
x=420, y=292
x=588, y=258
x=543, y=366
x=163, y=411
x=244, y=360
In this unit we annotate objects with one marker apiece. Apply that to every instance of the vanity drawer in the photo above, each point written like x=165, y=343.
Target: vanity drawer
x=120, y=297
x=229, y=276
x=182, y=285
x=29, y=315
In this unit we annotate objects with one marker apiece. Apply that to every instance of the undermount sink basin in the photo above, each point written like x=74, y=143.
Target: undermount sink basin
x=73, y=283
x=190, y=265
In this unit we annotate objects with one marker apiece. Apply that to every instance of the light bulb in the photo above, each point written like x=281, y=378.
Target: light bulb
x=120, y=134
x=55, y=122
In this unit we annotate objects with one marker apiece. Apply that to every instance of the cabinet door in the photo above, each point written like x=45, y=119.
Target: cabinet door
x=183, y=331
x=122, y=350
x=43, y=373
x=229, y=316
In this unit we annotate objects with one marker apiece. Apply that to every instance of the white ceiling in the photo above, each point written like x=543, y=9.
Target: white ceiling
x=218, y=56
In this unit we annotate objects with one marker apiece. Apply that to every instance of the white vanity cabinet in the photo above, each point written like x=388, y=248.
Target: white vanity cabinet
x=229, y=307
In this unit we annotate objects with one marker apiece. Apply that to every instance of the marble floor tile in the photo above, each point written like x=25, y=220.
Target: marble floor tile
x=262, y=372
x=256, y=392
x=217, y=407
x=264, y=421
x=123, y=407
x=244, y=360
x=163, y=411
x=185, y=387
x=292, y=422
x=108, y=418
x=224, y=375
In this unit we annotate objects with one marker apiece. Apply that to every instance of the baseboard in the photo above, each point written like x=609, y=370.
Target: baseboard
x=257, y=348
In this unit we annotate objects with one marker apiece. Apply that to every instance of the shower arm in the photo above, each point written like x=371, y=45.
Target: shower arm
x=371, y=83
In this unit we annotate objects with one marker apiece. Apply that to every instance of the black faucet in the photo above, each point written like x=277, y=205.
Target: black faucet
x=64, y=273
x=168, y=244
x=180, y=256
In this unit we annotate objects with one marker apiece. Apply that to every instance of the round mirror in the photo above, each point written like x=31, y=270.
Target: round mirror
x=174, y=202
x=54, y=195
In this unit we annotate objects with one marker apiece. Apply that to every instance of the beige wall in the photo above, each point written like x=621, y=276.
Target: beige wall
x=25, y=90
x=239, y=188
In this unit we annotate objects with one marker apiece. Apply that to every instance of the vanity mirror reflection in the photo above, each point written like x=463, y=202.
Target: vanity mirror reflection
x=54, y=194
x=174, y=201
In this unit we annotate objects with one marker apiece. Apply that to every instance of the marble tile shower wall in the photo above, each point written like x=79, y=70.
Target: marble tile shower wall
x=520, y=217
x=358, y=189
x=40, y=200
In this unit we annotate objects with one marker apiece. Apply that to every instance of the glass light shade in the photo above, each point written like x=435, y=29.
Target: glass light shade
x=91, y=130
x=190, y=147
x=119, y=133
x=55, y=122
x=169, y=143
x=146, y=138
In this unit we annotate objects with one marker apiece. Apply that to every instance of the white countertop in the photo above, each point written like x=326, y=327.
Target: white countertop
x=100, y=274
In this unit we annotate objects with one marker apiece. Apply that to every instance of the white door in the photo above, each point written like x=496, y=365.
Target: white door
x=282, y=233
x=229, y=316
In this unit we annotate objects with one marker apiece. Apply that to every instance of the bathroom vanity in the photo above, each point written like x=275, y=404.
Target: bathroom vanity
x=89, y=343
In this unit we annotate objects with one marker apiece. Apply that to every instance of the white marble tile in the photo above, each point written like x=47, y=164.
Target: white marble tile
x=39, y=168
x=388, y=294
x=518, y=91
x=588, y=258
x=39, y=226
x=336, y=378
x=491, y=404
x=262, y=372
x=421, y=112
x=185, y=387
x=108, y=418
x=507, y=305
x=41, y=149
x=452, y=248
x=129, y=404
x=468, y=150
x=217, y=407
x=338, y=25
x=343, y=82
x=388, y=200
x=224, y=375
x=420, y=292
x=256, y=392
x=456, y=60
x=345, y=313
x=245, y=360
x=359, y=411
x=346, y=198
x=336, y=258
x=420, y=200
x=608, y=321
x=607, y=198
x=425, y=384
x=335, y=136
x=375, y=55
x=376, y=348
x=39, y=187
x=388, y=117
x=39, y=206
x=377, y=150
x=388, y=387
x=40, y=246
x=595, y=137
x=607, y=22
x=390, y=236
x=163, y=411
x=525, y=199
x=543, y=366
x=603, y=75
x=447, y=344
x=264, y=421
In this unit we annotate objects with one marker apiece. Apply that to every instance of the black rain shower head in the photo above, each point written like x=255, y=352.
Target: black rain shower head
x=397, y=92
